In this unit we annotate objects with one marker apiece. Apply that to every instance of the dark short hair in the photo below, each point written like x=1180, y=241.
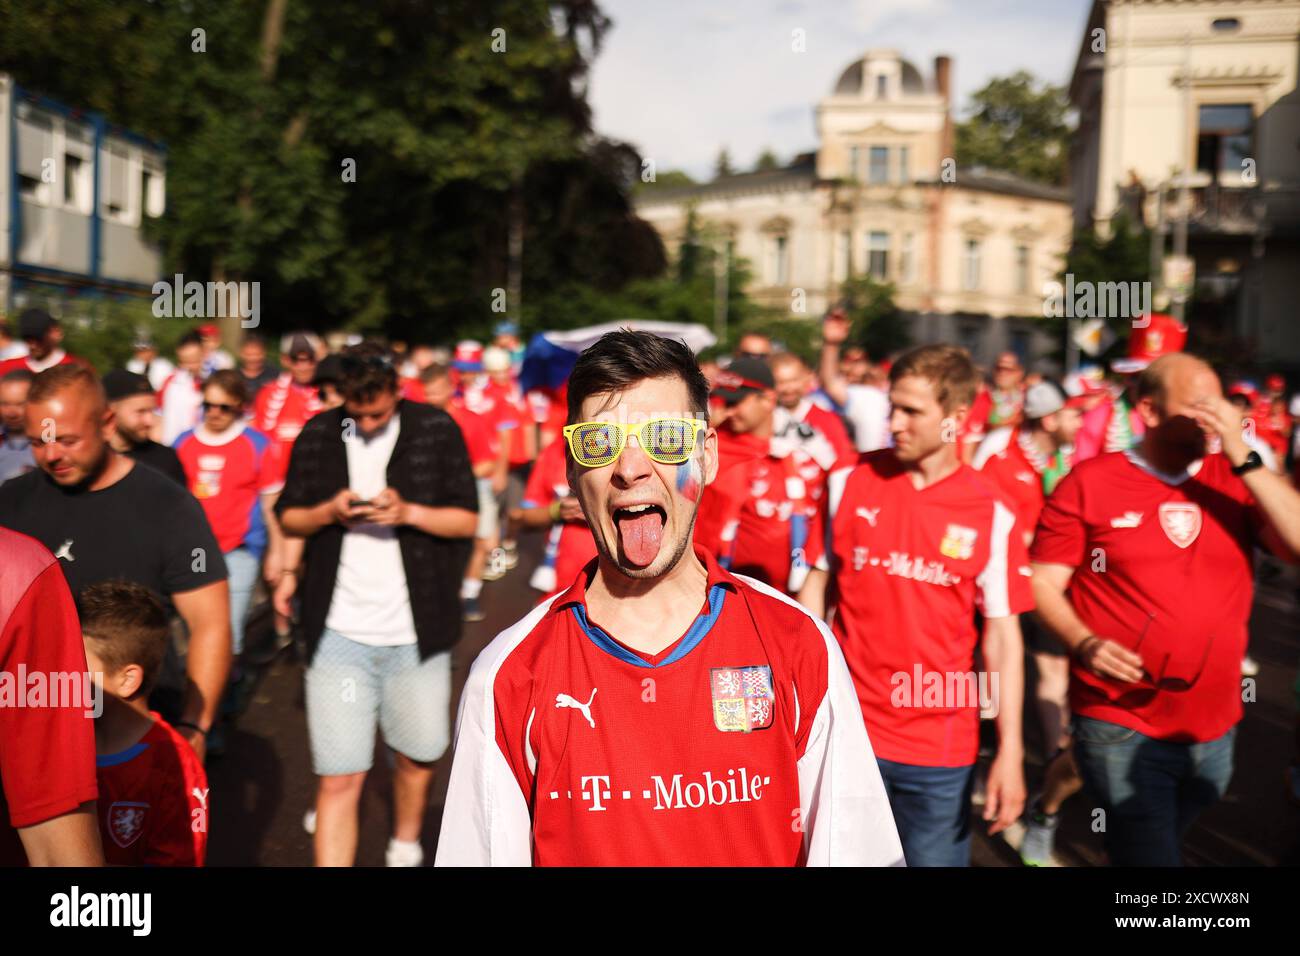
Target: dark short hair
x=948, y=369
x=367, y=371
x=253, y=338
x=62, y=377
x=435, y=372
x=126, y=624
x=18, y=375
x=621, y=359
x=231, y=382
x=189, y=338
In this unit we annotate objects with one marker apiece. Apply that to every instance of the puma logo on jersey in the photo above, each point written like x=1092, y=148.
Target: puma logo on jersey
x=564, y=700
x=1129, y=519
x=65, y=551
x=870, y=514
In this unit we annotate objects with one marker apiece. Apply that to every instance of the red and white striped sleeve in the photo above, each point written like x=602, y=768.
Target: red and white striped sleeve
x=1004, y=587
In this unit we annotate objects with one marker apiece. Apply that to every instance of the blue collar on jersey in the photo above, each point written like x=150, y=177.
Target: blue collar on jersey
x=122, y=756
x=703, y=624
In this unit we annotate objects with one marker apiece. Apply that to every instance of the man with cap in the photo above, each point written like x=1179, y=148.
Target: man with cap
x=754, y=516
x=1025, y=463
x=15, y=450
x=284, y=406
x=135, y=410
x=149, y=363
x=43, y=336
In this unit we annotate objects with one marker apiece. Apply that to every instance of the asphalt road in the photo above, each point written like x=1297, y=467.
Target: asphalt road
x=263, y=784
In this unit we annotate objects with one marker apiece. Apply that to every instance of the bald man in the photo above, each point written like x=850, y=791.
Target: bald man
x=104, y=516
x=1155, y=546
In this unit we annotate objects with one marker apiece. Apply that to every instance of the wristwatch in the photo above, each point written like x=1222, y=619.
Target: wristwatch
x=1252, y=462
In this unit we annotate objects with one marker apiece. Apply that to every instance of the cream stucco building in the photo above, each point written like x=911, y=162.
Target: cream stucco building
x=1208, y=86
x=968, y=250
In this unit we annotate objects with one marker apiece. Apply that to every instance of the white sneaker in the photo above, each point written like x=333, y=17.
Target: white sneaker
x=309, y=822
x=400, y=853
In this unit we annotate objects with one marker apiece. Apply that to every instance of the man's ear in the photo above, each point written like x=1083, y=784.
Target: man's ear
x=1147, y=411
x=710, y=459
x=108, y=421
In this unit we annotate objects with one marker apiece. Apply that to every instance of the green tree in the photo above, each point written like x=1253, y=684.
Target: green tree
x=877, y=324
x=1124, y=255
x=722, y=165
x=766, y=160
x=1017, y=125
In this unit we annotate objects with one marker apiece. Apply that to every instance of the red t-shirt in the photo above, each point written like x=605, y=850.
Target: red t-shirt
x=228, y=474
x=481, y=440
x=832, y=426
x=153, y=802
x=574, y=547
x=739, y=744
x=47, y=753
x=513, y=416
x=976, y=425
x=1164, y=567
x=909, y=568
x=1015, y=477
x=755, y=516
x=281, y=409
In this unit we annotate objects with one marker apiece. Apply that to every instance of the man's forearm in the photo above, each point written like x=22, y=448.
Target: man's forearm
x=1056, y=612
x=1279, y=502
x=535, y=517
x=305, y=522
x=442, y=522
x=1004, y=658
x=813, y=593
x=828, y=371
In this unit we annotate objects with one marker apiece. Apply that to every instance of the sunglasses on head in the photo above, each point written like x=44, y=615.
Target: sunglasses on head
x=669, y=441
x=220, y=407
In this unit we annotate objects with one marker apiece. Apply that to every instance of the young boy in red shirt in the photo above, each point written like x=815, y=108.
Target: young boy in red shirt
x=153, y=792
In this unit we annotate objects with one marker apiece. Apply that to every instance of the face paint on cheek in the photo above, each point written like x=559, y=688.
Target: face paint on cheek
x=688, y=480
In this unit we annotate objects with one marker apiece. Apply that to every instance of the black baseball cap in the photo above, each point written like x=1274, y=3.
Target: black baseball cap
x=120, y=384
x=742, y=377
x=34, y=323
x=328, y=370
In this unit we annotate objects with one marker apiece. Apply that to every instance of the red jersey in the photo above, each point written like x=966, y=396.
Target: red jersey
x=1017, y=477
x=755, y=514
x=831, y=426
x=572, y=546
x=481, y=440
x=909, y=567
x=513, y=416
x=281, y=409
x=57, y=357
x=977, y=420
x=739, y=745
x=153, y=802
x=1164, y=566
x=47, y=753
x=228, y=473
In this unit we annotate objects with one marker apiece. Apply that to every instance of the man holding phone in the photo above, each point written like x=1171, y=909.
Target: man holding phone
x=382, y=490
x=1143, y=565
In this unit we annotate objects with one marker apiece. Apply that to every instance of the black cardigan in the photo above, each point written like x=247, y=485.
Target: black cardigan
x=429, y=466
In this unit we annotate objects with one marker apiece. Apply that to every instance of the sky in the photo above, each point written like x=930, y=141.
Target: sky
x=680, y=79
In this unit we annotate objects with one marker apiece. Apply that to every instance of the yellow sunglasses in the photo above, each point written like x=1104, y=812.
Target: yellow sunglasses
x=669, y=441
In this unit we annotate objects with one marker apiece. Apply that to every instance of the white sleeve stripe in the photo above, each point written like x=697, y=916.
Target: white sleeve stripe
x=528, y=744
x=835, y=485
x=994, y=581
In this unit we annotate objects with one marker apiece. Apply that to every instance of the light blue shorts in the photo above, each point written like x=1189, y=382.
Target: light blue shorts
x=352, y=688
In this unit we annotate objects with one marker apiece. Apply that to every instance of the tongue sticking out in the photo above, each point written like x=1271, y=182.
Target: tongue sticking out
x=641, y=534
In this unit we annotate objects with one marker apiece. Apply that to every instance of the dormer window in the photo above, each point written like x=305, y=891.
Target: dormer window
x=882, y=87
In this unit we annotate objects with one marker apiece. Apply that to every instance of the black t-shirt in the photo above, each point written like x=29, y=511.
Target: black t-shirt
x=144, y=528
x=162, y=458
x=256, y=383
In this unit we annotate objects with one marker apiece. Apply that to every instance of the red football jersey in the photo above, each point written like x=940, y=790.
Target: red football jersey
x=47, y=753
x=832, y=426
x=908, y=569
x=740, y=745
x=1164, y=566
x=481, y=441
x=25, y=362
x=281, y=409
x=1011, y=472
x=547, y=482
x=153, y=802
x=755, y=514
x=228, y=473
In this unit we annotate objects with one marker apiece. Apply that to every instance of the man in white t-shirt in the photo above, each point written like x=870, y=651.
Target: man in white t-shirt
x=865, y=406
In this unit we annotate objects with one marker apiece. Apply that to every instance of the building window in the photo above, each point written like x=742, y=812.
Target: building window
x=115, y=203
x=778, y=270
x=904, y=164
x=907, y=260
x=1223, y=137
x=878, y=254
x=878, y=172
x=882, y=87
x=151, y=193
x=854, y=159
x=35, y=134
x=76, y=183
x=970, y=266
x=1022, y=269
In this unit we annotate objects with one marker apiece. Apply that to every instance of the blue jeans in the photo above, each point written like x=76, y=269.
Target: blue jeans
x=931, y=810
x=1151, y=790
x=242, y=567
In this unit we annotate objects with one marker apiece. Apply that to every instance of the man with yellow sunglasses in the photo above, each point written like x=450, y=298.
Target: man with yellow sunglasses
x=659, y=711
